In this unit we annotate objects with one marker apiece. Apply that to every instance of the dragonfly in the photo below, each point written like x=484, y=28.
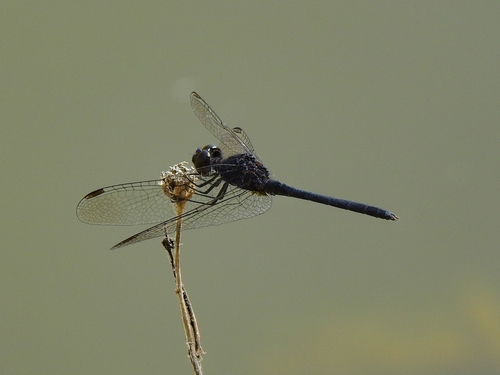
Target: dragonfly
x=228, y=182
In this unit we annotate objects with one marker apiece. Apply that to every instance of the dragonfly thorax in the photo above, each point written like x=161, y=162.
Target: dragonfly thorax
x=243, y=171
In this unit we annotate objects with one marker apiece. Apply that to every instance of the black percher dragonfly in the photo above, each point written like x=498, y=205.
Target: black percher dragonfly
x=228, y=182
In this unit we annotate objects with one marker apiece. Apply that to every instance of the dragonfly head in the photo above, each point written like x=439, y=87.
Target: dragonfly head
x=202, y=156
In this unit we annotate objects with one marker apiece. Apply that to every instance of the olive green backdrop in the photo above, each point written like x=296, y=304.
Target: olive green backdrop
x=391, y=103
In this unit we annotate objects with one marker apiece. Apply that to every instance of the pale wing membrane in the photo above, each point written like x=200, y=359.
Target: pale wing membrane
x=126, y=204
x=214, y=124
x=242, y=135
x=235, y=205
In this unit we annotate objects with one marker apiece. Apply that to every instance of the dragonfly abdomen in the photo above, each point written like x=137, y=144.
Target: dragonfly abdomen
x=274, y=187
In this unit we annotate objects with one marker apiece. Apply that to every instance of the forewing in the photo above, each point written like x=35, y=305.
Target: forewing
x=126, y=204
x=214, y=124
x=237, y=204
x=242, y=135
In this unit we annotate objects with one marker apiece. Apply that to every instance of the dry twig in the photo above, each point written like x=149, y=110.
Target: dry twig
x=179, y=187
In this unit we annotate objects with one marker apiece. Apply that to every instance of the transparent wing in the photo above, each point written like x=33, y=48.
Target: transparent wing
x=214, y=124
x=237, y=204
x=145, y=203
x=242, y=135
x=126, y=204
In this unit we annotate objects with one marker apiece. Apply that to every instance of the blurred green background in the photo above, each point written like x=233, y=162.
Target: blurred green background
x=391, y=103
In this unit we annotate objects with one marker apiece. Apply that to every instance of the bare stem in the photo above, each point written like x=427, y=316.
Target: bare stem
x=179, y=188
x=190, y=324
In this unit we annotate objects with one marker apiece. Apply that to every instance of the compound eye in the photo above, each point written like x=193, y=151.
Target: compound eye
x=202, y=162
x=202, y=159
x=193, y=159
